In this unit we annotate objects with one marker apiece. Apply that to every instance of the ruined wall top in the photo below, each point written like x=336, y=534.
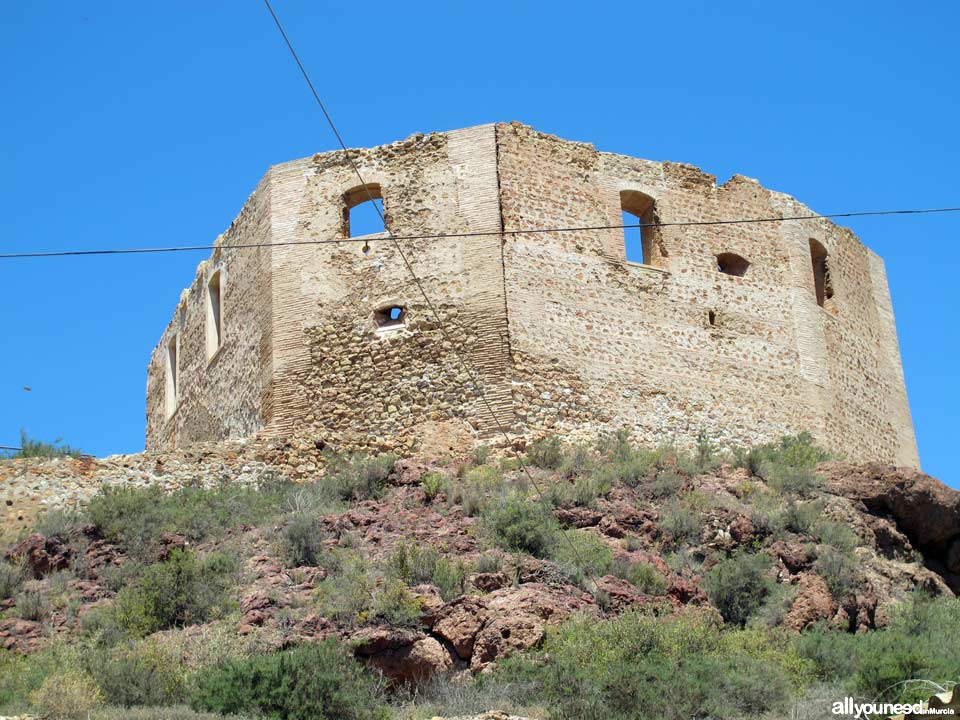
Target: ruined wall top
x=747, y=331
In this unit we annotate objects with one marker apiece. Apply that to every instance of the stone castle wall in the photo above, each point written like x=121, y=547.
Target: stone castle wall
x=562, y=333
x=219, y=395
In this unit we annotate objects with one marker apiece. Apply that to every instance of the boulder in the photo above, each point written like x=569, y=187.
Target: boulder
x=503, y=635
x=925, y=509
x=405, y=657
x=41, y=554
x=459, y=622
x=621, y=594
x=488, y=582
x=812, y=603
x=550, y=603
x=18, y=635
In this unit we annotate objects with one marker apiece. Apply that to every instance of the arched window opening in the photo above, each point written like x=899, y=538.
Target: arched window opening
x=642, y=244
x=732, y=264
x=392, y=316
x=172, y=370
x=214, y=315
x=823, y=285
x=360, y=211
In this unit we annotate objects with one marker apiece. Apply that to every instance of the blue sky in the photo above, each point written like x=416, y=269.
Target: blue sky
x=149, y=123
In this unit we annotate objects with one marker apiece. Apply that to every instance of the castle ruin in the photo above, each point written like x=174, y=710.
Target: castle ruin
x=747, y=331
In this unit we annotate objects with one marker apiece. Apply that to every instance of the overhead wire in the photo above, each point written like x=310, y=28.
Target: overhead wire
x=473, y=234
x=478, y=389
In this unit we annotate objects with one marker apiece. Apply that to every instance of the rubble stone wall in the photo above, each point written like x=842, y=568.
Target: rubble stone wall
x=219, y=396
x=557, y=328
x=679, y=347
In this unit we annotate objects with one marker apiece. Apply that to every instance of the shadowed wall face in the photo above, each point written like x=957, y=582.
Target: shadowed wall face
x=745, y=331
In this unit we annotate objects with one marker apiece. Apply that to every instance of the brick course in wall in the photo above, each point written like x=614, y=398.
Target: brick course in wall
x=559, y=329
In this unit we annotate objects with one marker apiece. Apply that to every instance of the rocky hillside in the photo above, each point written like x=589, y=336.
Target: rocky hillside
x=432, y=568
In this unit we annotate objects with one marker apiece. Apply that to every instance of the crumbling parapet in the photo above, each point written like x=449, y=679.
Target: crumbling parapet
x=747, y=331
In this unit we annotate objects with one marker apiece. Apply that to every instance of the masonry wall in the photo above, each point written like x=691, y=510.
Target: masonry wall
x=598, y=341
x=337, y=376
x=557, y=328
x=219, y=396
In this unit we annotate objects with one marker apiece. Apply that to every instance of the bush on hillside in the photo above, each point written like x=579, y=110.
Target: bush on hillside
x=184, y=590
x=683, y=523
x=361, y=477
x=136, y=518
x=301, y=542
x=546, y=453
x=839, y=569
x=318, y=681
x=11, y=575
x=33, y=448
x=395, y=605
x=67, y=695
x=738, y=585
x=519, y=525
x=788, y=465
x=415, y=565
x=919, y=642
x=642, y=666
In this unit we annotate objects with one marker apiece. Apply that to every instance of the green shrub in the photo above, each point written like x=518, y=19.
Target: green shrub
x=521, y=526
x=480, y=454
x=682, y=522
x=347, y=595
x=577, y=461
x=546, y=453
x=67, y=695
x=919, y=642
x=135, y=518
x=415, y=564
x=775, y=607
x=433, y=484
x=169, y=712
x=624, y=462
x=587, y=488
x=836, y=535
x=32, y=604
x=582, y=555
x=302, y=541
x=361, y=477
x=319, y=681
x=642, y=575
x=489, y=562
x=11, y=575
x=33, y=448
x=451, y=696
x=839, y=569
x=640, y=666
x=788, y=465
x=395, y=605
x=801, y=517
x=475, y=487
x=705, y=456
x=58, y=523
x=738, y=585
x=138, y=673
x=666, y=483
x=184, y=590
x=21, y=675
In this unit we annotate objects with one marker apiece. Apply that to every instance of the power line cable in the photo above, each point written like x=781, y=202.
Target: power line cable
x=443, y=236
x=478, y=390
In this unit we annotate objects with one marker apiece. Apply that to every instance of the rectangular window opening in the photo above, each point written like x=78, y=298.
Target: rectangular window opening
x=214, y=315
x=171, y=397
